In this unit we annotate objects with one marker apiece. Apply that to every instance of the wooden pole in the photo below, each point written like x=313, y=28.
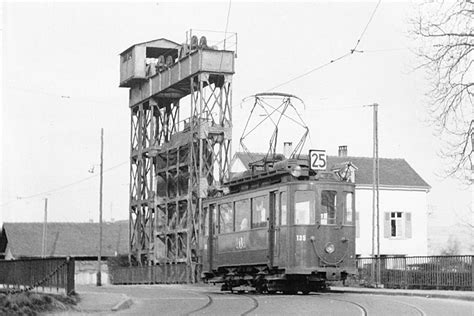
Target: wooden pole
x=375, y=200
x=45, y=222
x=377, y=210
x=99, y=258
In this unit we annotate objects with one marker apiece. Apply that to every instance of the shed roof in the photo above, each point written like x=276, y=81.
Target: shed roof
x=66, y=239
x=394, y=172
x=159, y=42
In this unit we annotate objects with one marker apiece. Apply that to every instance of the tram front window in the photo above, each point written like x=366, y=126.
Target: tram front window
x=304, y=208
x=328, y=207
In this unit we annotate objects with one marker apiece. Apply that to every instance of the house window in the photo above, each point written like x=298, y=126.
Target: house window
x=397, y=225
x=328, y=207
x=357, y=225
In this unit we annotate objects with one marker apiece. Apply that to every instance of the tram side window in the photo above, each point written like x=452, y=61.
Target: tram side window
x=214, y=224
x=328, y=207
x=259, y=212
x=348, y=208
x=226, y=218
x=242, y=215
x=205, y=220
x=283, y=208
x=304, y=208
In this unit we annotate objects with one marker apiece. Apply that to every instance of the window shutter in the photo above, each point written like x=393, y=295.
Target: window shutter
x=386, y=225
x=357, y=225
x=407, y=225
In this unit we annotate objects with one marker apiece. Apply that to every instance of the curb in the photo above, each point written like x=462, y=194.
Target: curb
x=124, y=304
x=426, y=295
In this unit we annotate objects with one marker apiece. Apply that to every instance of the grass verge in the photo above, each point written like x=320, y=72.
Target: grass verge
x=34, y=303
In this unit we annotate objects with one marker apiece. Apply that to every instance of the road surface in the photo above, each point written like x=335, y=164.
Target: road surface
x=209, y=300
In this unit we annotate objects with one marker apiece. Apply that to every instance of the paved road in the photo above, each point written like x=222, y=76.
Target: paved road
x=208, y=300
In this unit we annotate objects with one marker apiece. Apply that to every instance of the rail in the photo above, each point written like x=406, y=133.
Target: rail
x=24, y=275
x=418, y=272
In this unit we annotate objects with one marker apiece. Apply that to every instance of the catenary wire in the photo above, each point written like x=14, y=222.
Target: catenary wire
x=64, y=186
x=354, y=49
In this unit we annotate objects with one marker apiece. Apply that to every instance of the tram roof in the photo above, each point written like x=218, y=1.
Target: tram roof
x=395, y=172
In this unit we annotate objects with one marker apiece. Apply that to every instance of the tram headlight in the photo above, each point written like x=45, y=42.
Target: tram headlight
x=330, y=248
x=296, y=172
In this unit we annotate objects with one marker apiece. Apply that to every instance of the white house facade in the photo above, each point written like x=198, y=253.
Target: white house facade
x=403, y=221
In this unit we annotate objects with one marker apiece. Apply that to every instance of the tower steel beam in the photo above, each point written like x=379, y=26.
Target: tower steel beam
x=176, y=163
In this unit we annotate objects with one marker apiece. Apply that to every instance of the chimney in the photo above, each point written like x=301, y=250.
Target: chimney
x=342, y=151
x=287, y=149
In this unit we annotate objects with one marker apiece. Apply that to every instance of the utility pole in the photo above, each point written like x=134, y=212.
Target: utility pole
x=99, y=259
x=376, y=150
x=375, y=199
x=43, y=242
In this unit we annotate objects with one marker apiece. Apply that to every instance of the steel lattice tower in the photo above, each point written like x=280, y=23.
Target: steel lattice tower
x=175, y=162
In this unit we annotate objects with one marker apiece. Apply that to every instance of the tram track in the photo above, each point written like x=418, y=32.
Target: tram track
x=255, y=305
x=365, y=312
x=420, y=311
x=210, y=301
x=362, y=309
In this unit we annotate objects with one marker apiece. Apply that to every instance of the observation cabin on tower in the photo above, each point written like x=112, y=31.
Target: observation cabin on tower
x=166, y=63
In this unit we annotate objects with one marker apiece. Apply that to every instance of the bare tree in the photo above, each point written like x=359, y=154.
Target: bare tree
x=445, y=31
x=452, y=247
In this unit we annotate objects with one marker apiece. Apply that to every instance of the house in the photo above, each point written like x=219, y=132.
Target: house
x=402, y=203
x=77, y=240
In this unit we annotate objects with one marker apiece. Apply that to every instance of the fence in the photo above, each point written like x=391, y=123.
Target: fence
x=46, y=273
x=420, y=272
x=165, y=273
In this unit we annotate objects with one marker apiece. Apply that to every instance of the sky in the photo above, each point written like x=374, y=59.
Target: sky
x=60, y=77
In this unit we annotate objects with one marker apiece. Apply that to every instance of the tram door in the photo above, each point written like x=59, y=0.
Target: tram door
x=212, y=235
x=271, y=227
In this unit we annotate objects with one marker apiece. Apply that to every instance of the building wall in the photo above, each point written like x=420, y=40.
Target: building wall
x=393, y=200
x=86, y=272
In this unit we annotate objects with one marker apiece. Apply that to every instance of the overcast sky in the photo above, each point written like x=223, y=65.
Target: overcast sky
x=61, y=75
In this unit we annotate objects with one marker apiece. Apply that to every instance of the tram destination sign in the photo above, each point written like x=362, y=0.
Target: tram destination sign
x=317, y=159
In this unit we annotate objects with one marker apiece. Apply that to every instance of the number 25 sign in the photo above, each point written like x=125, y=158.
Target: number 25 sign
x=317, y=159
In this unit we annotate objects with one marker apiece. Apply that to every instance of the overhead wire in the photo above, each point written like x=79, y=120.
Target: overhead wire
x=57, y=95
x=63, y=186
x=227, y=22
x=366, y=27
x=351, y=52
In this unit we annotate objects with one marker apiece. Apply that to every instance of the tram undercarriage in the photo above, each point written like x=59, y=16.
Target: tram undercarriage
x=261, y=280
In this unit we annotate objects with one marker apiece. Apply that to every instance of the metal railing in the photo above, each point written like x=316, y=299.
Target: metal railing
x=41, y=274
x=164, y=273
x=418, y=272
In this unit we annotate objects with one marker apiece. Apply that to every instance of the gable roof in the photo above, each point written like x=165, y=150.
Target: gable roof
x=395, y=172
x=66, y=239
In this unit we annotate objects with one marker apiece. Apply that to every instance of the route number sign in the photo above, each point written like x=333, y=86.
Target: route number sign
x=317, y=159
